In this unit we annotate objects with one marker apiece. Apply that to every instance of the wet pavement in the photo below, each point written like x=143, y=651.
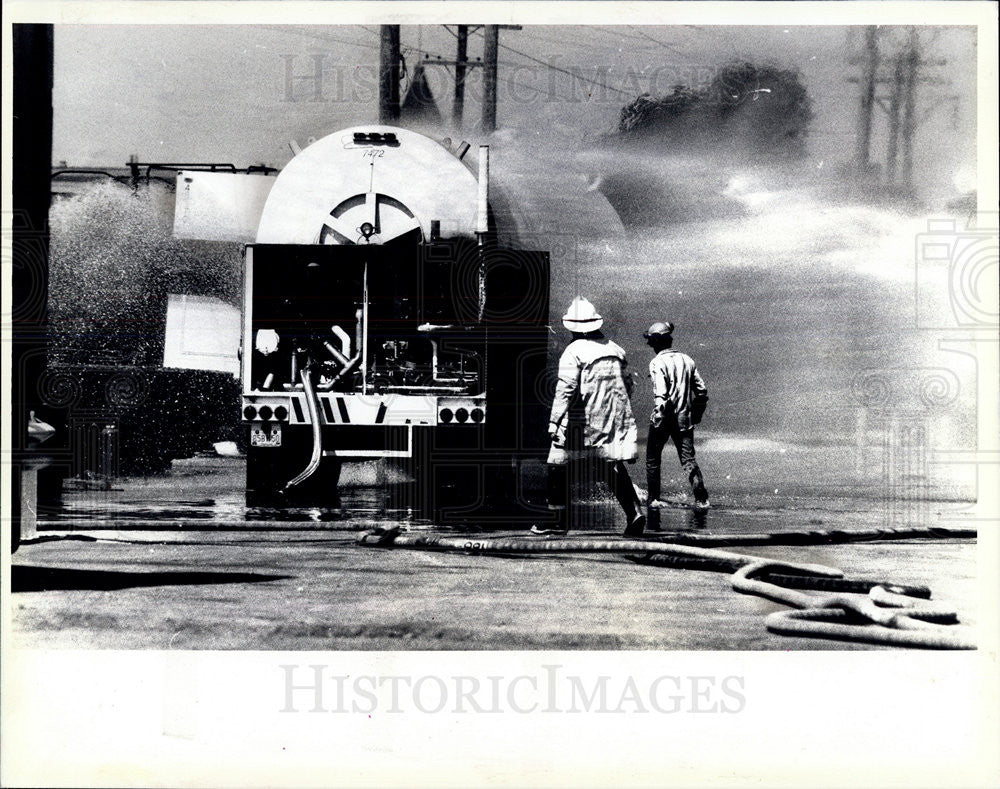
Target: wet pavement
x=178, y=561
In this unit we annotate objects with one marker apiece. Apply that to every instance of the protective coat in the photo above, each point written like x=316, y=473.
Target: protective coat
x=595, y=370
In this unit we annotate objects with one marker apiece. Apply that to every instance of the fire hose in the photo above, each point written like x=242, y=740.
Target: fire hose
x=890, y=614
x=312, y=407
x=347, y=365
x=882, y=617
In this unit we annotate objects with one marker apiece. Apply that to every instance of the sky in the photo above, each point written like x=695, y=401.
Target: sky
x=222, y=93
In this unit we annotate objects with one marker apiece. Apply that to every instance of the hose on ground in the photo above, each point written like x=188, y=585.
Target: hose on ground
x=890, y=614
x=825, y=623
x=883, y=617
x=517, y=545
x=788, y=579
x=821, y=536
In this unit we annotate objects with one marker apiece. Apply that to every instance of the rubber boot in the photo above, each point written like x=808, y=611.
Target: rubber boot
x=558, y=499
x=624, y=491
x=558, y=487
x=562, y=519
x=652, y=494
x=652, y=485
x=698, y=488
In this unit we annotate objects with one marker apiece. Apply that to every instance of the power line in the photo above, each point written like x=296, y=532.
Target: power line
x=664, y=44
x=611, y=31
x=564, y=71
x=308, y=34
x=602, y=32
x=422, y=51
x=541, y=37
x=642, y=36
x=552, y=67
x=531, y=31
x=724, y=37
x=477, y=32
x=539, y=91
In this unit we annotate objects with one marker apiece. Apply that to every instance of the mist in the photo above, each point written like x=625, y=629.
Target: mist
x=791, y=278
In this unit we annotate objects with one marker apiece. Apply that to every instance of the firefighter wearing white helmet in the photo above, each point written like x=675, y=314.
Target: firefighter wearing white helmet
x=593, y=372
x=679, y=400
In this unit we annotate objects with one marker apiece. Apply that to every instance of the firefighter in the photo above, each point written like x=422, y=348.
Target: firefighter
x=593, y=372
x=679, y=400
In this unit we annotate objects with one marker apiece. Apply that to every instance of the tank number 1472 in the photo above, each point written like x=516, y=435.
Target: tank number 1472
x=373, y=153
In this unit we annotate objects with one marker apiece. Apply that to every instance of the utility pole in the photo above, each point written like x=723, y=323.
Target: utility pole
x=911, y=62
x=388, y=74
x=870, y=70
x=31, y=194
x=490, y=52
x=900, y=106
x=461, y=63
x=460, y=55
x=895, y=106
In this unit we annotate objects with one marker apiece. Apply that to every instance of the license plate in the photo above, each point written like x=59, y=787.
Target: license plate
x=269, y=436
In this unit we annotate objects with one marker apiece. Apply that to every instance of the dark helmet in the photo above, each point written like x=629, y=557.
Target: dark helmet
x=659, y=329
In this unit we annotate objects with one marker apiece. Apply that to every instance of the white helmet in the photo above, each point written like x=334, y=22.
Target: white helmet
x=582, y=317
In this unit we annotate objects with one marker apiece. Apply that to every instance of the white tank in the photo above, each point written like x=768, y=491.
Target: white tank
x=400, y=181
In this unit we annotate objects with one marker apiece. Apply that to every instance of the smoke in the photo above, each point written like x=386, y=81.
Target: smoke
x=745, y=110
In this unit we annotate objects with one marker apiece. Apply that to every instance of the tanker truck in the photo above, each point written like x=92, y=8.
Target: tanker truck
x=388, y=313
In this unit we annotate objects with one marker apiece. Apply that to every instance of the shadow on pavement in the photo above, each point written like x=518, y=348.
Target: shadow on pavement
x=25, y=578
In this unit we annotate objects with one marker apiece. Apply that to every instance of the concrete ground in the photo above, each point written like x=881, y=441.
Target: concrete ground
x=177, y=561
x=319, y=590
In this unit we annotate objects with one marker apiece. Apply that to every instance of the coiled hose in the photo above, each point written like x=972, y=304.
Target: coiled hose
x=890, y=614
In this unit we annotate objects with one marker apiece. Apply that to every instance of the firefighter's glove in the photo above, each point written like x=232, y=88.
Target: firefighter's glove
x=557, y=434
x=656, y=417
